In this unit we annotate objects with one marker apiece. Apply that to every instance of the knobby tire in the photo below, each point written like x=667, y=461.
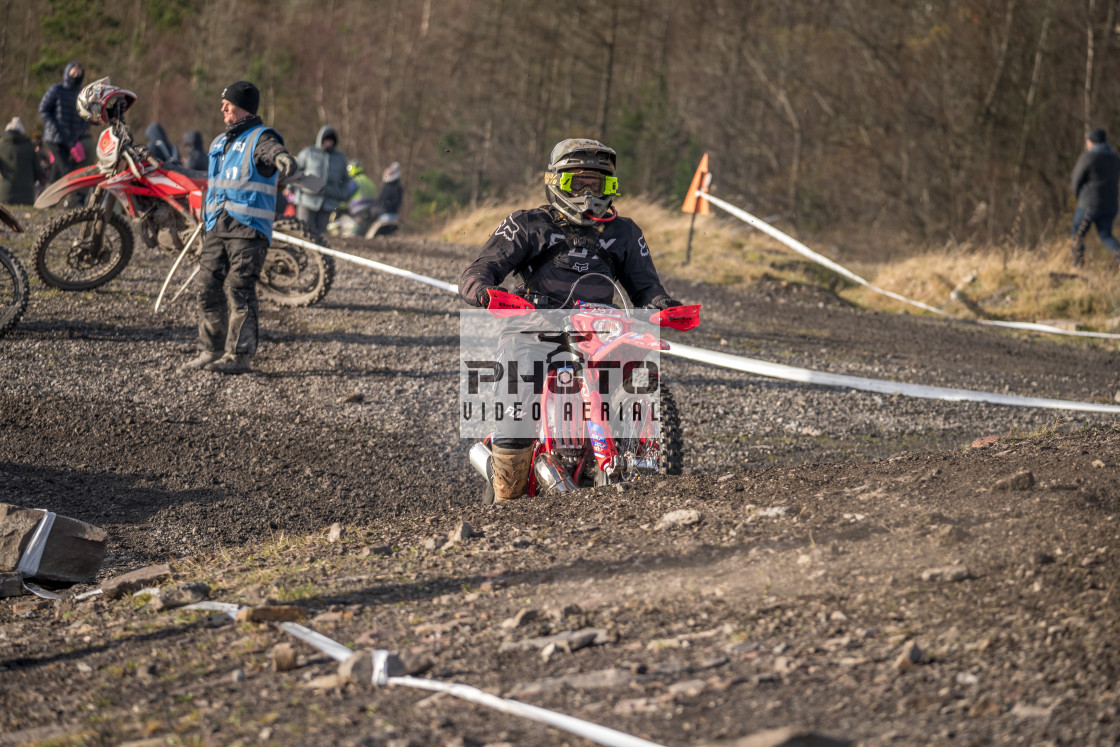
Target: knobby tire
x=294, y=276
x=56, y=248
x=14, y=291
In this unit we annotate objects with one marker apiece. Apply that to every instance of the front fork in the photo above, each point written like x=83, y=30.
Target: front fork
x=93, y=234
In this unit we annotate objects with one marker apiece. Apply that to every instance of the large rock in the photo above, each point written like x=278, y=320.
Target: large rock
x=133, y=581
x=73, y=552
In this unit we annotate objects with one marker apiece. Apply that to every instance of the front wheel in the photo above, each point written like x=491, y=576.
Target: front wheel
x=294, y=275
x=642, y=451
x=14, y=291
x=82, y=249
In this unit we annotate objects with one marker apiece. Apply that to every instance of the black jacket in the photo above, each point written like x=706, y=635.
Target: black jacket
x=159, y=146
x=390, y=197
x=19, y=169
x=195, y=157
x=1095, y=179
x=548, y=255
x=59, y=111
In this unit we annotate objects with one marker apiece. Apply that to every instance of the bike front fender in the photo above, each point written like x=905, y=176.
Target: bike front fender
x=83, y=178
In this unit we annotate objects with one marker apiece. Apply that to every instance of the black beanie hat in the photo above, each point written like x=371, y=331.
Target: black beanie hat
x=243, y=94
x=1097, y=135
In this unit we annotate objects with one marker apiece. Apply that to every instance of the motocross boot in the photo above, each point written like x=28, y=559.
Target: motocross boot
x=202, y=360
x=511, y=472
x=232, y=363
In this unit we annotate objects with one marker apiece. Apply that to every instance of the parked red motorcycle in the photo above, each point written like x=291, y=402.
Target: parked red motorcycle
x=598, y=449
x=87, y=247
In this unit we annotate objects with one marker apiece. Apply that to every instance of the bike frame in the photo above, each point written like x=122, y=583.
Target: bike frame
x=602, y=335
x=120, y=173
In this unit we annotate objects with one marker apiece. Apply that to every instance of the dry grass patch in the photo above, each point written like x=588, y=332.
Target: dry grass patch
x=724, y=251
x=1005, y=284
x=992, y=282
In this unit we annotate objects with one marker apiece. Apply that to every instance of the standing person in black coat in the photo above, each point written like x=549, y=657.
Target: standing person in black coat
x=194, y=155
x=19, y=166
x=1095, y=182
x=159, y=146
x=63, y=127
x=391, y=193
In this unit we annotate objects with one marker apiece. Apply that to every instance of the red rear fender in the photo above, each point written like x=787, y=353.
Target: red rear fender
x=85, y=178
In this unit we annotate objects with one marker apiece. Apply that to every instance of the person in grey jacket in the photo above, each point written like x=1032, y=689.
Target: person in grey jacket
x=63, y=127
x=326, y=161
x=1095, y=182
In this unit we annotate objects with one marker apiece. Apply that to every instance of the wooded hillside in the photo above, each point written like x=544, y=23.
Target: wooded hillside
x=944, y=119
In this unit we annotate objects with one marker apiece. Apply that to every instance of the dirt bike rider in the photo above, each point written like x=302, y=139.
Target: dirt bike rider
x=551, y=247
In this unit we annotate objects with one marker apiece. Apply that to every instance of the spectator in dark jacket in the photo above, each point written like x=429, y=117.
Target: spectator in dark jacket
x=391, y=192
x=194, y=155
x=1096, y=177
x=63, y=128
x=19, y=166
x=159, y=146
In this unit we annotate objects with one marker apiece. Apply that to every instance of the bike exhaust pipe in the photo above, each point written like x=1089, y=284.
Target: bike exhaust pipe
x=551, y=477
x=480, y=459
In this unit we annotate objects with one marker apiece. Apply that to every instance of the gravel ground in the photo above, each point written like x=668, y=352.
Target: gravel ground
x=789, y=601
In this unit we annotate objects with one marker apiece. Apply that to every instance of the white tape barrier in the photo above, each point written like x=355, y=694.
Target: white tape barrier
x=921, y=391
x=805, y=251
x=777, y=370
x=585, y=729
x=596, y=733
x=367, y=262
x=33, y=554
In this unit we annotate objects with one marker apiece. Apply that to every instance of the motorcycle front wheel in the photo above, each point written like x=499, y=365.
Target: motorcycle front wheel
x=81, y=249
x=667, y=449
x=293, y=275
x=14, y=291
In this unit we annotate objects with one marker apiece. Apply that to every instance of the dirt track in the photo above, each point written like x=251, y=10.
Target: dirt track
x=787, y=603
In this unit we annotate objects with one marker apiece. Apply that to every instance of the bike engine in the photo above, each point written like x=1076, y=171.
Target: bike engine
x=160, y=228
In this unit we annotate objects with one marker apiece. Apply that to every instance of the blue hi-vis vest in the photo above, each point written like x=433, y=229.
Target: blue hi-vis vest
x=237, y=187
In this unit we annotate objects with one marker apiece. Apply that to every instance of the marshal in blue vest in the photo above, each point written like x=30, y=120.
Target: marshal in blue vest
x=237, y=187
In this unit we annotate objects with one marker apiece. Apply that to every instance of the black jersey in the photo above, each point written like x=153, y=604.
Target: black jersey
x=548, y=255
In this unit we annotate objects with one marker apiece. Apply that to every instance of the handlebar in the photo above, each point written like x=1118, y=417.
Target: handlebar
x=505, y=304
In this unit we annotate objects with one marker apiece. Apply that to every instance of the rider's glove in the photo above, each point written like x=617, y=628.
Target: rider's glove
x=484, y=296
x=664, y=302
x=285, y=163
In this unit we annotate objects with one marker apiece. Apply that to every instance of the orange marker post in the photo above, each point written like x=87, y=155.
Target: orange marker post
x=694, y=203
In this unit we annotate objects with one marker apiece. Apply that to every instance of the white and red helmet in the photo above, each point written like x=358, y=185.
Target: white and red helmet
x=102, y=103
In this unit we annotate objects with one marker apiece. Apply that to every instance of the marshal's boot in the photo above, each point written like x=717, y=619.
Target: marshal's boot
x=511, y=472
x=202, y=360
x=232, y=363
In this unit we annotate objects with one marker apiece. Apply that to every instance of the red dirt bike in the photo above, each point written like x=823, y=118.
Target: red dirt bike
x=572, y=453
x=87, y=247
x=14, y=290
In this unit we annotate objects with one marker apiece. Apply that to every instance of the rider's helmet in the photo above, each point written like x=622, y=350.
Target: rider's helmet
x=102, y=103
x=580, y=181
x=354, y=168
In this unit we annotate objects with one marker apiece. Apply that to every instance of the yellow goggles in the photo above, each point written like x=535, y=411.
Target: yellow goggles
x=575, y=182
